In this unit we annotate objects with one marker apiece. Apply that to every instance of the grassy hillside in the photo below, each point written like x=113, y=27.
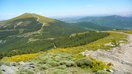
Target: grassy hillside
x=66, y=60
x=98, y=44
x=25, y=45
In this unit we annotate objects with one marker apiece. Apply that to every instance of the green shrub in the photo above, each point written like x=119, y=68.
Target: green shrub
x=78, y=56
x=25, y=71
x=109, y=64
x=4, y=63
x=1, y=63
x=115, y=43
x=53, y=63
x=84, y=62
x=0, y=71
x=62, y=56
x=99, y=65
x=14, y=64
x=44, y=66
x=102, y=72
x=42, y=62
x=57, y=71
x=61, y=67
x=68, y=63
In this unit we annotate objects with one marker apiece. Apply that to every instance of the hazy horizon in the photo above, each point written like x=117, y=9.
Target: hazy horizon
x=65, y=8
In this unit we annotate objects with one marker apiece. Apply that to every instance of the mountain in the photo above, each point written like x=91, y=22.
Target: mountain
x=33, y=32
x=34, y=23
x=88, y=25
x=91, y=26
x=113, y=21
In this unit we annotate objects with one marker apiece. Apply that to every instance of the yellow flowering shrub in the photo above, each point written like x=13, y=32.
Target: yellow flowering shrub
x=72, y=50
x=23, y=57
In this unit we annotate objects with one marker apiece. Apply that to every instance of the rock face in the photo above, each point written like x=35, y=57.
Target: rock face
x=121, y=57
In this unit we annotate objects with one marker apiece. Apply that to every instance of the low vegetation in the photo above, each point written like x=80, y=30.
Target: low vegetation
x=125, y=31
x=79, y=39
x=24, y=57
x=102, y=72
x=129, y=31
x=98, y=44
x=101, y=43
x=0, y=72
x=68, y=60
x=23, y=46
x=61, y=62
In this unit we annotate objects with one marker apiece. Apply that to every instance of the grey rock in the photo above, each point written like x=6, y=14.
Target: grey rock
x=7, y=69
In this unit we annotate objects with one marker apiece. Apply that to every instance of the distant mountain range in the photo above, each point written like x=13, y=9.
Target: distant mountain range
x=114, y=21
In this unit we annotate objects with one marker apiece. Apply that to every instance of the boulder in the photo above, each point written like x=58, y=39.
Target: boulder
x=7, y=69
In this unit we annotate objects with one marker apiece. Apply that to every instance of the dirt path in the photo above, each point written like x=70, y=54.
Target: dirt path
x=121, y=57
x=42, y=23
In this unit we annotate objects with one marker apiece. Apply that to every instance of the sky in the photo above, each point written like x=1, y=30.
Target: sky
x=65, y=8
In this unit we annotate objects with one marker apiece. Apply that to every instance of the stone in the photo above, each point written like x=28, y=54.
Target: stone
x=7, y=69
x=22, y=63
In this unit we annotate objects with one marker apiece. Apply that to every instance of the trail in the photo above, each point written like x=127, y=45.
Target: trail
x=43, y=24
x=35, y=32
x=121, y=57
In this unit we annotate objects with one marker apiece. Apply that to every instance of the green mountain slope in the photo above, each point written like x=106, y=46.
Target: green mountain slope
x=32, y=33
x=35, y=23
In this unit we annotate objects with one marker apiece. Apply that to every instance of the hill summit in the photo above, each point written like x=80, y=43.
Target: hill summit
x=39, y=18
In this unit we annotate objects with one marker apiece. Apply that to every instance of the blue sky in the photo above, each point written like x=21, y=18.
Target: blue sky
x=64, y=8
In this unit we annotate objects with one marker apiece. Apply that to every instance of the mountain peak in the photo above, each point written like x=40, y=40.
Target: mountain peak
x=41, y=19
x=26, y=15
x=30, y=14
